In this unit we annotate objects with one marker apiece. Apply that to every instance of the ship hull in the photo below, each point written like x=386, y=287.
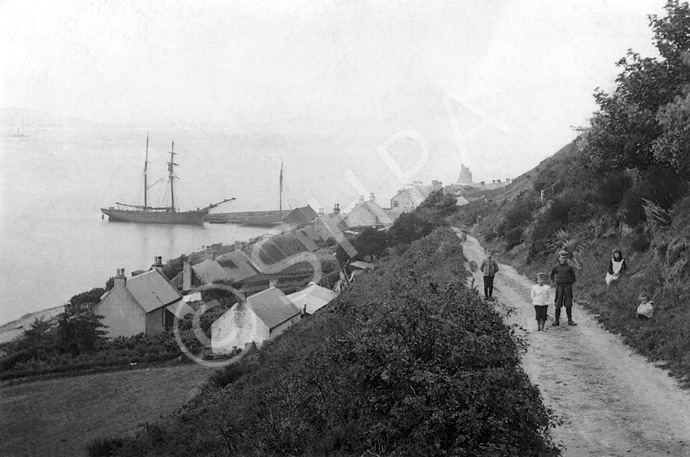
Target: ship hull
x=155, y=217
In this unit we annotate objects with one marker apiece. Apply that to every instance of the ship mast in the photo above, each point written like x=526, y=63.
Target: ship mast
x=146, y=167
x=280, y=205
x=171, y=174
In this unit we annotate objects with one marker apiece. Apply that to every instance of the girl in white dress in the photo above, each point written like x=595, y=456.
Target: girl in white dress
x=616, y=268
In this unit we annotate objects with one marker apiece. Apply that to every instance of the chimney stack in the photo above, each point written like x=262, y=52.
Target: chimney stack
x=372, y=197
x=361, y=199
x=186, y=275
x=336, y=208
x=272, y=283
x=120, y=279
x=157, y=264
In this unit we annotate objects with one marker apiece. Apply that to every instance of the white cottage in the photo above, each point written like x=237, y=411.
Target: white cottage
x=262, y=317
x=312, y=298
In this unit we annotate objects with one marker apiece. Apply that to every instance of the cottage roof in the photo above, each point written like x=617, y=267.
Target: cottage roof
x=314, y=297
x=311, y=233
x=272, y=307
x=267, y=253
x=152, y=290
x=367, y=214
x=210, y=271
x=237, y=265
x=306, y=240
x=461, y=201
x=417, y=193
x=304, y=214
x=180, y=309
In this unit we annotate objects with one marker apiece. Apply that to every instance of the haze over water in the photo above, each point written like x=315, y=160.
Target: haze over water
x=53, y=241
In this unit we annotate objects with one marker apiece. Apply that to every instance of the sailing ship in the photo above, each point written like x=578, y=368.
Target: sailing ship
x=20, y=135
x=159, y=215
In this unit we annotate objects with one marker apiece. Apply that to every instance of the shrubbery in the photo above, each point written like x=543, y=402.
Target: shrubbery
x=405, y=362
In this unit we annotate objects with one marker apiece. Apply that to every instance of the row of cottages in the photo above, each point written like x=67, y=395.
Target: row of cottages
x=145, y=303
x=409, y=198
x=264, y=316
x=266, y=255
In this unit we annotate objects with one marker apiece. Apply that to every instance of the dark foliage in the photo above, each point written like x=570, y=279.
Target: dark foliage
x=658, y=185
x=371, y=243
x=103, y=447
x=611, y=187
x=635, y=125
x=410, y=227
x=87, y=298
x=440, y=204
x=406, y=362
x=79, y=330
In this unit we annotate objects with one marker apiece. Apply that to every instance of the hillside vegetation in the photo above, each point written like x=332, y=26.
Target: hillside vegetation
x=622, y=184
x=407, y=361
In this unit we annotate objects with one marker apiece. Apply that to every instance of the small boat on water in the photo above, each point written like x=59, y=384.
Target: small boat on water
x=159, y=215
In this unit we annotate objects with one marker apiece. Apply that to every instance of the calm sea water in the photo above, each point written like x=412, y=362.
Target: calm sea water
x=54, y=243
x=53, y=240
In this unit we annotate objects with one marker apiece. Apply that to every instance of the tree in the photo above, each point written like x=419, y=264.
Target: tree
x=343, y=257
x=79, y=329
x=371, y=242
x=440, y=203
x=410, y=227
x=625, y=130
x=673, y=145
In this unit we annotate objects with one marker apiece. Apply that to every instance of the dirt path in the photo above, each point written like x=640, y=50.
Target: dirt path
x=611, y=400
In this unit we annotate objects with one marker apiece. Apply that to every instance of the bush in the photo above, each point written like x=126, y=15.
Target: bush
x=407, y=361
x=611, y=188
x=513, y=237
x=104, y=447
x=661, y=186
x=227, y=375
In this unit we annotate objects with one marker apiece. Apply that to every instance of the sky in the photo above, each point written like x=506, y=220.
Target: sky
x=425, y=86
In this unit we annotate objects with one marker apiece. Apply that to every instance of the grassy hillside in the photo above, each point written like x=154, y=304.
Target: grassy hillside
x=644, y=212
x=407, y=361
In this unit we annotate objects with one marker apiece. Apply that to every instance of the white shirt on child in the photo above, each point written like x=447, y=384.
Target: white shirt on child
x=646, y=309
x=540, y=295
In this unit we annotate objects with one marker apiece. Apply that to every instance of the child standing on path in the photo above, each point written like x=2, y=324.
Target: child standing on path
x=563, y=275
x=540, y=299
x=489, y=267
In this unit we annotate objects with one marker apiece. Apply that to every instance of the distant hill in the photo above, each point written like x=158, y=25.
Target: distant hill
x=25, y=119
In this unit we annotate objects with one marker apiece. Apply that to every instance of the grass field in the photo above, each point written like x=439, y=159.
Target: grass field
x=61, y=416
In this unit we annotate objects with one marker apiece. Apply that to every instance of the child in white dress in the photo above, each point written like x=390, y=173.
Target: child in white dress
x=645, y=310
x=541, y=296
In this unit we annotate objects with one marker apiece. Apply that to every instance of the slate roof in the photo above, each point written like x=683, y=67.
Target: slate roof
x=366, y=214
x=311, y=233
x=237, y=265
x=304, y=214
x=210, y=271
x=267, y=253
x=306, y=241
x=152, y=290
x=272, y=307
x=314, y=296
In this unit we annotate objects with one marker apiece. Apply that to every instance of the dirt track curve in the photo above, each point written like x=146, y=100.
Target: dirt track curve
x=611, y=400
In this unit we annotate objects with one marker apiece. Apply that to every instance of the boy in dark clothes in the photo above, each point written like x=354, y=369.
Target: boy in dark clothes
x=563, y=276
x=489, y=267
